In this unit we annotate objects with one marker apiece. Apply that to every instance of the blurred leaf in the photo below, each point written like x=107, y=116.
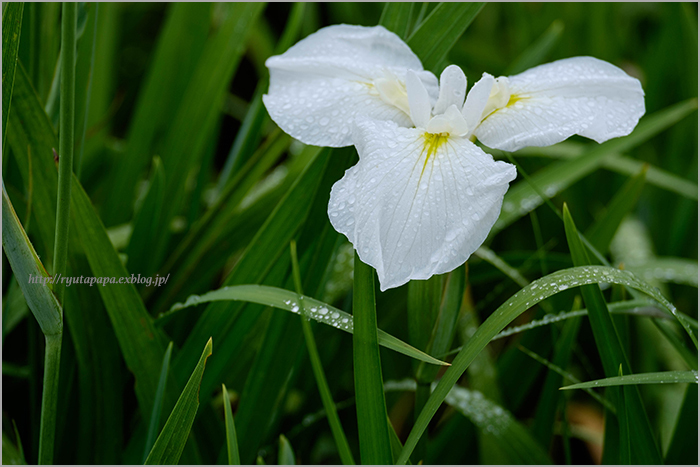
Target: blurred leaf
x=14, y=307
x=439, y=32
x=31, y=274
x=545, y=415
x=537, y=52
x=375, y=445
x=666, y=269
x=492, y=258
x=174, y=63
x=685, y=434
x=690, y=357
x=140, y=259
x=285, y=454
x=231, y=438
x=11, y=454
x=11, y=33
x=154, y=422
x=621, y=164
x=396, y=17
x=492, y=420
x=662, y=377
x=84, y=72
x=196, y=116
x=288, y=300
x=601, y=233
x=632, y=417
x=422, y=309
x=172, y=438
x=553, y=179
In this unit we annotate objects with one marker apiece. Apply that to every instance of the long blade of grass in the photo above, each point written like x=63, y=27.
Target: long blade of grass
x=633, y=420
x=439, y=32
x=231, y=439
x=196, y=116
x=396, y=17
x=172, y=438
x=11, y=32
x=287, y=300
x=154, y=423
x=660, y=377
x=524, y=299
x=690, y=357
x=66, y=143
x=47, y=310
x=179, y=47
x=341, y=441
x=375, y=445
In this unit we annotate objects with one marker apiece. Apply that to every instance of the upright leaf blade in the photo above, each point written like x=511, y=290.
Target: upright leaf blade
x=11, y=29
x=172, y=438
x=231, y=439
x=439, y=32
x=375, y=444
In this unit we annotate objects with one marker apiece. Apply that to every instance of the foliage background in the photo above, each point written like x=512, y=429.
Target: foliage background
x=264, y=362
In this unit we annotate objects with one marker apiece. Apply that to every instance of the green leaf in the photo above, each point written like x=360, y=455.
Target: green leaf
x=601, y=233
x=537, y=52
x=341, y=441
x=512, y=308
x=11, y=32
x=553, y=179
x=634, y=423
x=154, y=422
x=667, y=269
x=375, y=445
x=545, y=415
x=285, y=454
x=145, y=222
x=30, y=273
x=196, y=116
x=661, y=377
x=422, y=309
x=172, y=438
x=685, y=434
x=174, y=62
x=396, y=17
x=439, y=32
x=492, y=420
x=231, y=438
x=288, y=300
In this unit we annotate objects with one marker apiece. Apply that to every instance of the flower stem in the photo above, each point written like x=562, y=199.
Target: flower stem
x=66, y=143
x=49, y=398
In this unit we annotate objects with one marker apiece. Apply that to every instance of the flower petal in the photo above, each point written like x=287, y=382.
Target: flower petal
x=476, y=100
x=453, y=88
x=321, y=83
x=418, y=100
x=416, y=205
x=549, y=103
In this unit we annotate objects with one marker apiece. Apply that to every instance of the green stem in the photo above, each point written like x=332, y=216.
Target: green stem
x=66, y=142
x=49, y=398
x=328, y=403
x=375, y=444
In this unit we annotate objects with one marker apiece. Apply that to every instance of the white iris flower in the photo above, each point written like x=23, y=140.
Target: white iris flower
x=423, y=196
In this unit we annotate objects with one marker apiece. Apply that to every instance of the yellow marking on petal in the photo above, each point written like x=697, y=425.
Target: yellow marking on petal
x=431, y=143
x=514, y=98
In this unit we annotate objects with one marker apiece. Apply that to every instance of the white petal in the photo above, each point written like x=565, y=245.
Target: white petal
x=476, y=100
x=418, y=100
x=321, y=83
x=411, y=216
x=453, y=88
x=549, y=103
